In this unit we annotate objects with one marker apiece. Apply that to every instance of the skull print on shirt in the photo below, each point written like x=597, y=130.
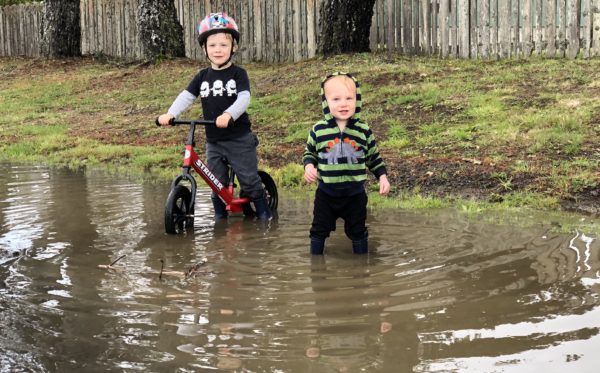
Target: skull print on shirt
x=218, y=88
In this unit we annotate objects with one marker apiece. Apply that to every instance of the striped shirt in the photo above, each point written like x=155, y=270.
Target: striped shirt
x=343, y=157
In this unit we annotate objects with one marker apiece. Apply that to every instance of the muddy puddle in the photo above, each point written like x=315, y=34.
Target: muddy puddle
x=440, y=291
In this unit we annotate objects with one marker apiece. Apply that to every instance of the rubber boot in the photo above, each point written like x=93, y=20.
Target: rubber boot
x=262, y=209
x=220, y=208
x=360, y=246
x=317, y=245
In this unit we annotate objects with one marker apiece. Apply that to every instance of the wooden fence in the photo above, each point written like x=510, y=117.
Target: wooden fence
x=288, y=30
x=488, y=28
x=20, y=30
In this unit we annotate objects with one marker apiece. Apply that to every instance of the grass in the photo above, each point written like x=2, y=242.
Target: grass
x=530, y=129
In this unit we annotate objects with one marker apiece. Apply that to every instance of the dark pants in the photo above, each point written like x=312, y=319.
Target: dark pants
x=327, y=209
x=240, y=153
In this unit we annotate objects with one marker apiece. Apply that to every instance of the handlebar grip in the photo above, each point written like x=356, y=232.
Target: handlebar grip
x=171, y=122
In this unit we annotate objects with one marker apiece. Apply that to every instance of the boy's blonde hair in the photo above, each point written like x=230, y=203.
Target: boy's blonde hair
x=344, y=79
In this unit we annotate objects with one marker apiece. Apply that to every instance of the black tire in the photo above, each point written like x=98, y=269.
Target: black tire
x=178, y=210
x=271, y=191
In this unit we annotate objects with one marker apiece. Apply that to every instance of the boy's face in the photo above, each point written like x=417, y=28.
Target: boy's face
x=218, y=48
x=340, y=93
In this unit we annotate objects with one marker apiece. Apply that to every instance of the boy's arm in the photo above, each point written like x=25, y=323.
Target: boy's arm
x=375, y=164
x=240, y=105
x=373, y=159
x=310, y=160
x=181, y=103
x=310, y=151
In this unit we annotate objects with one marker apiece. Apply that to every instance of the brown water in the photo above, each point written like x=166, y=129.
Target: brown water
x=439, y=292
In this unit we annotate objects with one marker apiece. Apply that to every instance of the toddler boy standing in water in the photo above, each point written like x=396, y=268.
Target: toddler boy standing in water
x=224, y=90
x=338, y=152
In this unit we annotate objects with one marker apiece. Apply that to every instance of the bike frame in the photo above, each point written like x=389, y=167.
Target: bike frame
x=191, y=160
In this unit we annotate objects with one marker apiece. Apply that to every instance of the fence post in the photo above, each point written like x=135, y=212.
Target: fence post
x=562, y=27
x=311, y=29
x=391, y=28
x=550, y=28
x=484, y=26
x=527, y=42
x=494, y=29
x=573, y=26
x=586, y=23
x=473, y=29
x=463, y=28
x=434, y=8
x=425, y=27
x=504, y=28
x=444, y=28
x=2, y=38
x=406, y=27
x=539, y=26
x=596, y=26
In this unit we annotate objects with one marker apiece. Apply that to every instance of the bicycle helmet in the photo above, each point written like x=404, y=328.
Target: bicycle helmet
x=214, y=23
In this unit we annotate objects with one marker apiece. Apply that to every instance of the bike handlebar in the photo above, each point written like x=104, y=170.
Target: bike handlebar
x=178, y=122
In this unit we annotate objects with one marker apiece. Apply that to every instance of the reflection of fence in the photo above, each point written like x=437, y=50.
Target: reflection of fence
x=288, y=30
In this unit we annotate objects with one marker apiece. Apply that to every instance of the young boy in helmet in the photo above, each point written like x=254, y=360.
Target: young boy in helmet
x=338, y=152
x=224, y=90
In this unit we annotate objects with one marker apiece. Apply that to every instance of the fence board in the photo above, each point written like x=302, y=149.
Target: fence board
x=538, y=27
x=444, y=28
x=473, y=31
x=562, y=27
x=484, y=27
x=596, y=28
x=425, y=26
x=527, y=41
x=3, y=36
x=463, y=28
x=434, y=27
x=550, y=33
x=390, y=29
x=504, y=28
x=573, y=28
x=586, y=27
x=407, y=46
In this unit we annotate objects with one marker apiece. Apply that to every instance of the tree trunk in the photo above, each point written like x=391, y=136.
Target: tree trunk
x=160, y=32
x=61, y=31
x=345, y=26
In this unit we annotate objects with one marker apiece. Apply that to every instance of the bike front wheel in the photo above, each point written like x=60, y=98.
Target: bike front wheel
x=179, y=214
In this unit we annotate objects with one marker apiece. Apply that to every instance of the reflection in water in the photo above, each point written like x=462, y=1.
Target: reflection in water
x=439, y=292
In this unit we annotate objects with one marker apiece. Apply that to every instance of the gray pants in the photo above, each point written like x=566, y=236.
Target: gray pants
x=240, y=153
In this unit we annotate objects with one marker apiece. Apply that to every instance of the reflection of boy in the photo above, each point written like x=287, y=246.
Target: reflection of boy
x=338, y=152
x=224, y=90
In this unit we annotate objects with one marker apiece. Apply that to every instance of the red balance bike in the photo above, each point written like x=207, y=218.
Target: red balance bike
x=179, y=208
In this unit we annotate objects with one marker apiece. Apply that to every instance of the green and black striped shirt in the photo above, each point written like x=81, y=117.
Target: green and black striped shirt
x=343, y=157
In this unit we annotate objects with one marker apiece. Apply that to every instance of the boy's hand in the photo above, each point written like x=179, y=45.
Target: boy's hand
x=164, y=119
x=223, y=120
x=310, y=173
x=384, y=185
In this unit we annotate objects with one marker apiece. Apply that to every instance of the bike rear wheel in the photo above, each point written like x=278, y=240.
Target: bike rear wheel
x=271, y=194
x=178, y=210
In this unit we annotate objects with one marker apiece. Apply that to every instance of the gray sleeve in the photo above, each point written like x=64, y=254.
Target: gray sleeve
x=240, y=105
x=181, y=103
